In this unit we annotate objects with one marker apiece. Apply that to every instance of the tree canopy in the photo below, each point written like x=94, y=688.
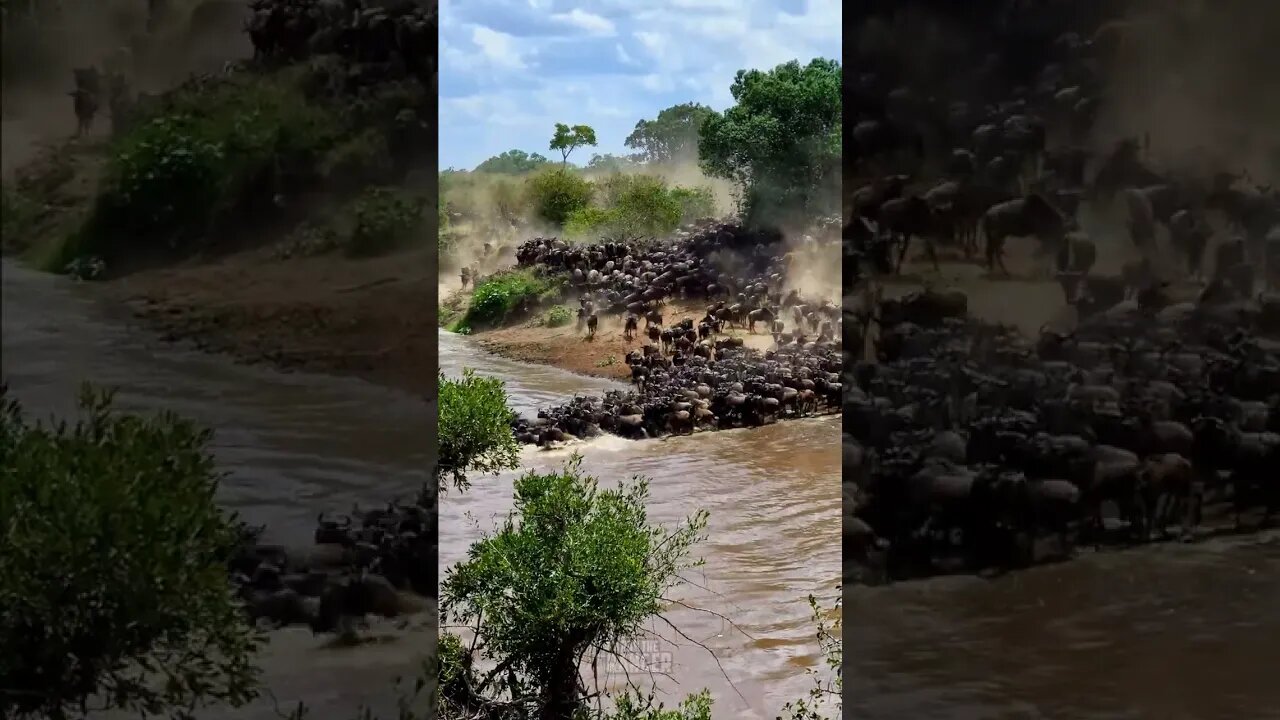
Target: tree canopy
x=673, y=135
x=567, y=139
x=572, y=573
x=474, y=428
x=781, y=141
x=113, y=577
x=512, y=162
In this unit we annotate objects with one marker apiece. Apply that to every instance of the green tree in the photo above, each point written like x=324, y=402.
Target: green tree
x=567, y=139
x=569, y=577
x=673, y=135
x=557, y=193
x=609, y=163
x=474, y=428
x=781, y=141
x=113, y=575
x=512, y=162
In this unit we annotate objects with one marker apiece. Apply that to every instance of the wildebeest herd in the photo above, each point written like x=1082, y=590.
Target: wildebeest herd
x=359, y=567
x=691, y=375
x=976, y=447
x=380, y=40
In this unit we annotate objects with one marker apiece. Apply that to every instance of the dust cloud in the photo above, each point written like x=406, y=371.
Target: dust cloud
x=1198, y=77
x=40, y=51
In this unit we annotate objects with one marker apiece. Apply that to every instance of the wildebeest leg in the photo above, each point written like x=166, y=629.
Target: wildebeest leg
x=902, y=252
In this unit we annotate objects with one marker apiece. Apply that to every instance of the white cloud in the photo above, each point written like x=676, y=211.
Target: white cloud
x=498, y=47
x=588, y=22
x=517, y=86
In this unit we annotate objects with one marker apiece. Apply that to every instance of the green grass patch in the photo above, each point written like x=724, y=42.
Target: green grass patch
x=507, y=294
x=385, y=219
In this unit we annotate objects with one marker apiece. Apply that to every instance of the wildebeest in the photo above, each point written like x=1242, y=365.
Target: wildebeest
x=1029, y=216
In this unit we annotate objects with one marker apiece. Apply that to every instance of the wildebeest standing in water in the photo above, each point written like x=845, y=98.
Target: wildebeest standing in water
x=85, y=98
x=1029, y=216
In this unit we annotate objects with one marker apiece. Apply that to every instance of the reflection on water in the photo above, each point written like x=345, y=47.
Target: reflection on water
x=773, y=495
x=1181, y=631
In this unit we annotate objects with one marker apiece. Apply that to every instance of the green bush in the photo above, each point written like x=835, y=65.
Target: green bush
x=556, y=194
x=591, y=222
x=220, y=152
x=385, y=219
x=558, y=316
x=695, y=203
x=474, y=429
x=113, y=577
x=589, y=572
x=638, y=205
x=502, y=294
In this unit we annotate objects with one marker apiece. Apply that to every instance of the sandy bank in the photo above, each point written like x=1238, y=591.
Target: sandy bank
x=365, y=318
x=604, y=356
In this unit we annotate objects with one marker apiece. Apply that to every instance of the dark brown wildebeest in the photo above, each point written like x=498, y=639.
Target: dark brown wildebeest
x=85, y=98
x=592, y=322
x=758, y=315
x=631, y=324
x=1029, y=216
x=905, y=217
x=465, y=275
x=1189, y=234
x=1077, y=254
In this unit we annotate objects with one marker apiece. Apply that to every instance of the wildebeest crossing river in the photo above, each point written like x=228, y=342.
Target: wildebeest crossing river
x=1177, y=631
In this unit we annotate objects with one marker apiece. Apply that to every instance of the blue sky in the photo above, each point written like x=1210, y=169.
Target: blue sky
x=511, y=69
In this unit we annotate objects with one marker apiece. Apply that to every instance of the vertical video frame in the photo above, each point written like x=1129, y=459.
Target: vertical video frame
x=639, y=355
x=219, y=358
x=1061, y=237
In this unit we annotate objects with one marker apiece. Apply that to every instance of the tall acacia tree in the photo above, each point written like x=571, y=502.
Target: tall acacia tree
x=567, y=139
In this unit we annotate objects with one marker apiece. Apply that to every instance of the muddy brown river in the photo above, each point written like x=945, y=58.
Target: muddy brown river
x=1168, y=633
x=296, y=444
x=773, y=496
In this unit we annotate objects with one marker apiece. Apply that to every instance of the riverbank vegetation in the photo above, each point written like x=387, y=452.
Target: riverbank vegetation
x=224, y=162
x=264, y=194
x=772, y=159
x=113, y=577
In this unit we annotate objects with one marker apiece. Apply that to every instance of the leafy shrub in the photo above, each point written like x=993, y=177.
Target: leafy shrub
x=591, y=222
x=590, y=571
x=475, y=428
x=114, y=577
x=695, y=203
x=556, y=194
x=558, y=316
x=502, y=294
x=385, y=219
x=220, y=152
x=639, y=205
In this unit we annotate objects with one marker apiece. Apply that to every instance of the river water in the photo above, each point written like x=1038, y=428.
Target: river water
x=296, y=444
x=773, y=536
x=293, y=445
